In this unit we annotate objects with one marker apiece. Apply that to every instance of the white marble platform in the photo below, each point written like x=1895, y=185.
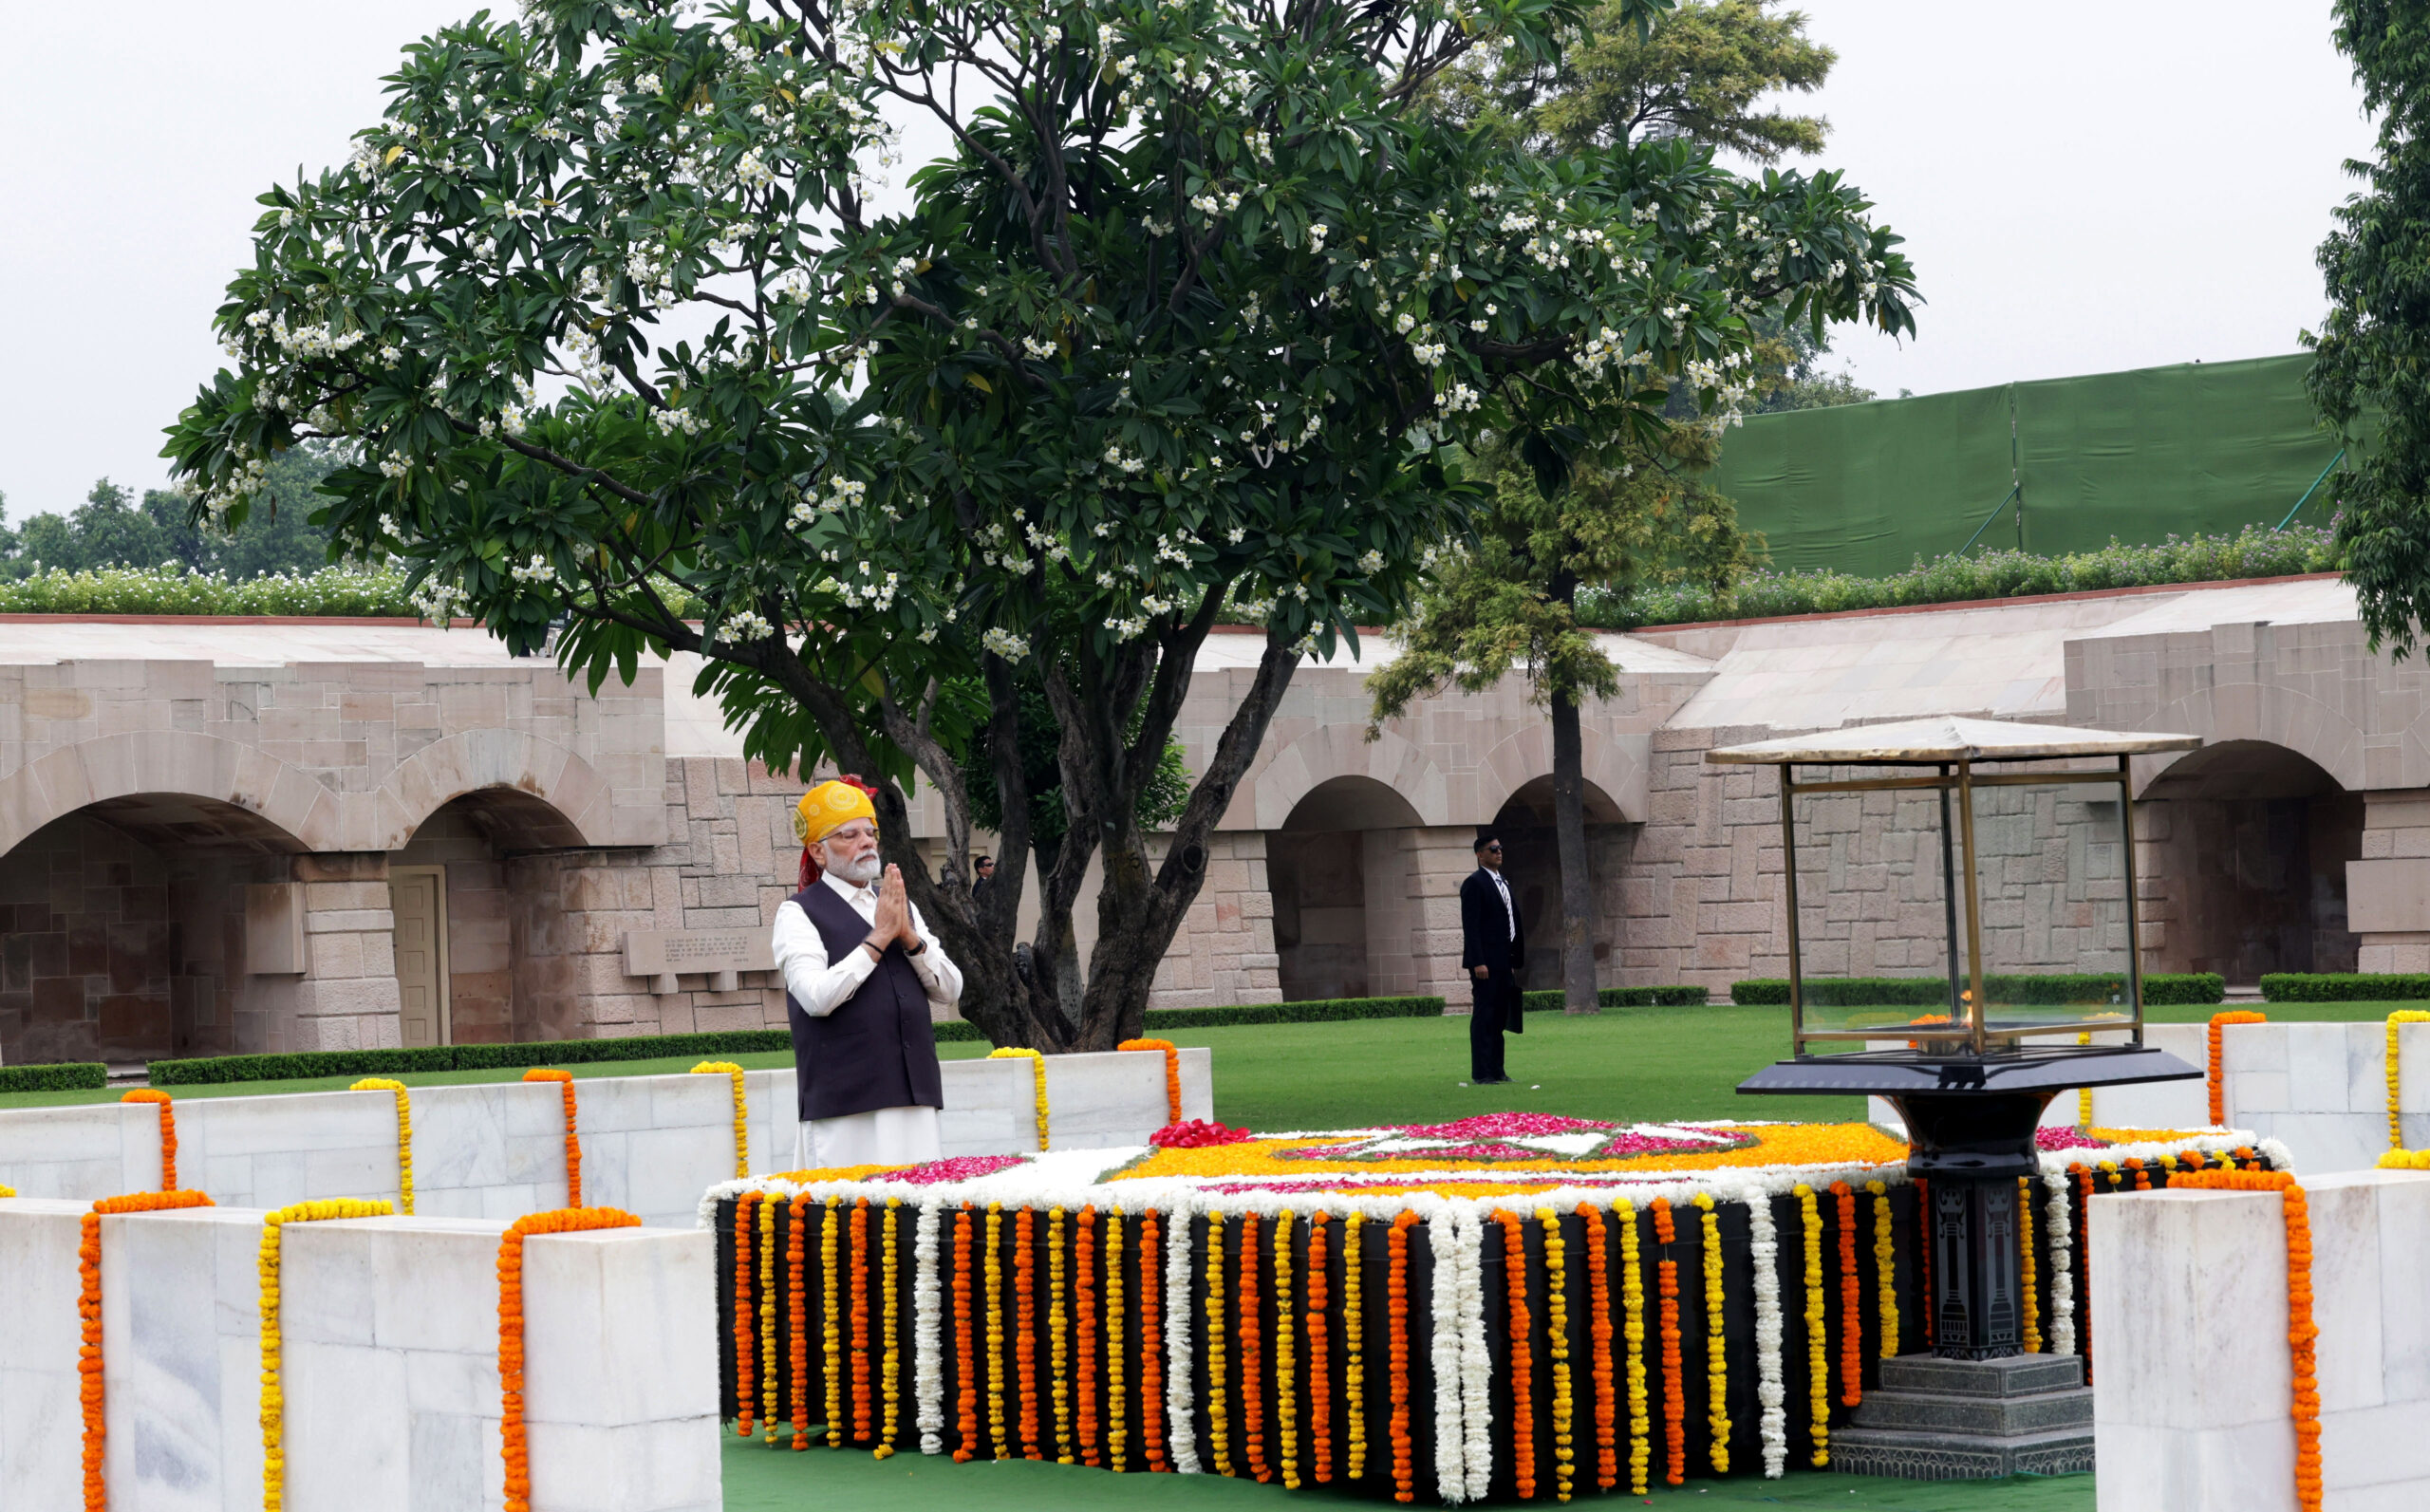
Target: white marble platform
x=2192, y=1369
x=41, y=1416
x=650, y=1144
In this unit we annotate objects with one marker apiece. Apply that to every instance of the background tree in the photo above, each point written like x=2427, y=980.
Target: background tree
x=1198, y=312
x=2373, y=350
x=1575, y=503
x=111, y=530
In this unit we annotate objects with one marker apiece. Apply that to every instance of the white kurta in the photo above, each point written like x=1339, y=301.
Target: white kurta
x=889, y=1136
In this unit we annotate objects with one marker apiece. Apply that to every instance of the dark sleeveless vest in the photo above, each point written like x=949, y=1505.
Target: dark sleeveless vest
x=874, y=1049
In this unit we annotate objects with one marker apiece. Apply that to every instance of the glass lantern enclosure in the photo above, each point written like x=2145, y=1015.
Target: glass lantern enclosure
x=1958, y=887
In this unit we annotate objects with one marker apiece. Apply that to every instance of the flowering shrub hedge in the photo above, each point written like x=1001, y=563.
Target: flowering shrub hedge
x=2158, y=987
x=2345, y=986
x=75, y=1075
x=172, y=589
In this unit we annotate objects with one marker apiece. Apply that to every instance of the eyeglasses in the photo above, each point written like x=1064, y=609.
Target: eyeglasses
x=1496, y=850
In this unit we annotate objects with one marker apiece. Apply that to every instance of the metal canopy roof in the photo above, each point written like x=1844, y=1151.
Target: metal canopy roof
x=1946, y=737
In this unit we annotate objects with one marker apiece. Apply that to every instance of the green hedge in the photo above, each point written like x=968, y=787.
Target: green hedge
x=2158, y=988
x=1552, y=1000
x=1315, y=1011
x=2345, y=986
x=221, y=1068
x=67, y=1075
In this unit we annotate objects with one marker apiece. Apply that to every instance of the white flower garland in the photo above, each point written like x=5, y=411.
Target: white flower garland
x=1764, y=1246
x=1181, y=1430
x=928, y=1342
x=2061, y=1233
x=1458, y=1394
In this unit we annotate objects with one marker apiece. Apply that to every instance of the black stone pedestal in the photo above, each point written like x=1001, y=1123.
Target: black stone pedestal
x=1968, y=1420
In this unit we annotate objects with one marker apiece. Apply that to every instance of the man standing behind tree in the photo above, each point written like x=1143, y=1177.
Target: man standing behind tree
x=1493, y=949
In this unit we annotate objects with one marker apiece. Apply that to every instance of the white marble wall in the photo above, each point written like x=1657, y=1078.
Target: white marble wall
x=650, y=1144
x=181, y=1344
x=2193, y=1373
x=41, y=1416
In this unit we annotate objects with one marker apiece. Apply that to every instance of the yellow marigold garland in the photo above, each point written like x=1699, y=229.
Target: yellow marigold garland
x=890, y=1371
x=1286, y=1407
x=404, y=1134
x=1116, y=1431
x=2083, y=1094
x=2395, y=1021
x=994, y=1268
x=1058, y=1337
x=1217, y=1439
x=515, y=1446
x=1037, y=1080
x=2028, y=1292
x=1354, y=1343
x=1633, y=1338
x=830, y=1316
x=741, y=1111
x=1716, y=1356
x=273, y=1407
x=168, y=1133
x=1885, y=1268
x=1556, y=1347
x=769, y=1383
x=1818, y=1353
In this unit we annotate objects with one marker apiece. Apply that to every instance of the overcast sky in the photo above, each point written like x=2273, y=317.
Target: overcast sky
x=2083, y=187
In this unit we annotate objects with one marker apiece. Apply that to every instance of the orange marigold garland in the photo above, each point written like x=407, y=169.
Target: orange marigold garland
x=745, y=1353
x=1025, y=1326
x=89, y=1313
x=965, y=1374
x=1599, y=1325
x=168, y=1133
x=2029, y=1289
x=2302, y=1335
x=1320, y=1358
x=2217, y=1079
x=797, y=1312
x=1851, y=1300
x=1252, y=1354
x=1152, y=1340
x=1084, y=1324
x=2083, y=1266
x=1403, y=1473
x=573, y=1142
x=768, y=1377
x=1172, y=1073
x=1675, y=1402
x=860, y=1306
x=515, y=1446
x=1522, y=1364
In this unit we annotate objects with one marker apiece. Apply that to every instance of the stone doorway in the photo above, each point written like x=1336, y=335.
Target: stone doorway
x=418, y=899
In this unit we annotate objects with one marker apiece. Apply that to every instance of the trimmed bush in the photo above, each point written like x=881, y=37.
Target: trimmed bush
x=2159, y=989
x=2345, y=986
x=219, y=1070
x=1552, y=1000
x=1317, y=1011
x=67, y=1075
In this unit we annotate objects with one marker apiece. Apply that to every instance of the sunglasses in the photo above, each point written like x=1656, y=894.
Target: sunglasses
x=1496, y=850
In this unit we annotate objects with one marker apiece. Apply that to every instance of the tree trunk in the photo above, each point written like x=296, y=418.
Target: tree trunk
x=1569, y=834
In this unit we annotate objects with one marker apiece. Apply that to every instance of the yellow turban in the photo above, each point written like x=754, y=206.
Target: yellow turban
x=828, y=807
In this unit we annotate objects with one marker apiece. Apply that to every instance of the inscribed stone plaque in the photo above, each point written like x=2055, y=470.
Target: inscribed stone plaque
x=662, y=954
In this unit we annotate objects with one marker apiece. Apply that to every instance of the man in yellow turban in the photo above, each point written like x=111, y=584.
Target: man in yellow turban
x=863, y=977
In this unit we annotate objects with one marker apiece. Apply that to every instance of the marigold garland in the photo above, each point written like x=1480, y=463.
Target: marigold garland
x=1885, y=1268
x=404, y=1134
x=1521, y=1364
x=515, y=1443
x=2218, y=1078
x=1252, y=1354
x=1557, y=1346
x=1037, y=1080
x=2084, y=1262
x=1816, y=1347
x=1633, y=1336
x=1084, y=1324
x=274, y=1401
x=1152, y=1340
x=1320, y=1358
x=797, y=1313
x=1851, y=1298
x=890, y=1339
x=2302, y=1335
x=859, y=1342
x=2083, y=1094
x=965, y=1379
x=1599, y=1333
x=1286, y=1407
x=768, y=1377
x=1217, y=1404
x=573, y=1141
x=2142, y=1176
x=1057, y=1338
x=746, y=1348
x=2028, y=1286
x=1396, y=1337
x=1172, y=1073
x=1354, y=1344
x=1716, y=1353
x=741, y=1111
x=89, y=1313
x=830, y=1317
x=168, y=1133
x=1674, y=1403
x=2395, y=1021
x=1116, y=1408
x=1002, y=1442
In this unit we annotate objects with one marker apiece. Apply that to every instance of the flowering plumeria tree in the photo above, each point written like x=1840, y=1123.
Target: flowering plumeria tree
x=1184, y=326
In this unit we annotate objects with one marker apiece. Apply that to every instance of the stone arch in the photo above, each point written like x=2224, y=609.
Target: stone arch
x=1352, y=802
x=446, y=770
x=2275, y=714
x=180, y=762
x=1332, y=751
x=1615, y=765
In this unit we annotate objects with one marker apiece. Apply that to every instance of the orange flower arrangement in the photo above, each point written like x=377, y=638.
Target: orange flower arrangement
x=860, y=1339
x=2218, y=1078
x=1674, y=1400
x=168, y=1133
x=88, y=1312
x=2028, y=1292
x=796, y=1309
x=1319, y=1378
x=1084, y=1320
x=1152, y=1340
x=1403, y=1474
x=574, y=1143
x=1025, y=1326
x=2142, y=1177
x=1599, y=1321
x=515, y=1447
x=1851, y=1295
x=1523, y=1363
x=1252, y=1354
x=745, y=1350
x=965, y=1379
x=1172, y=1073
x=2302, y=1336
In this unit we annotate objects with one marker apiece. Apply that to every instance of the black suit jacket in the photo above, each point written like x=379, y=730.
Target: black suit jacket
x=1486, y=938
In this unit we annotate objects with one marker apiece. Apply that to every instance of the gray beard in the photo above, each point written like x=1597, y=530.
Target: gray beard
x=859, y=873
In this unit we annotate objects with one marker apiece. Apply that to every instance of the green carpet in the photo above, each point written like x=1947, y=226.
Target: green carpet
x=758, y=1478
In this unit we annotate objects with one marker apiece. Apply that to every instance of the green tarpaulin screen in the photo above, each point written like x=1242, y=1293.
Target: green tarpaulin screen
x=2139, y=455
